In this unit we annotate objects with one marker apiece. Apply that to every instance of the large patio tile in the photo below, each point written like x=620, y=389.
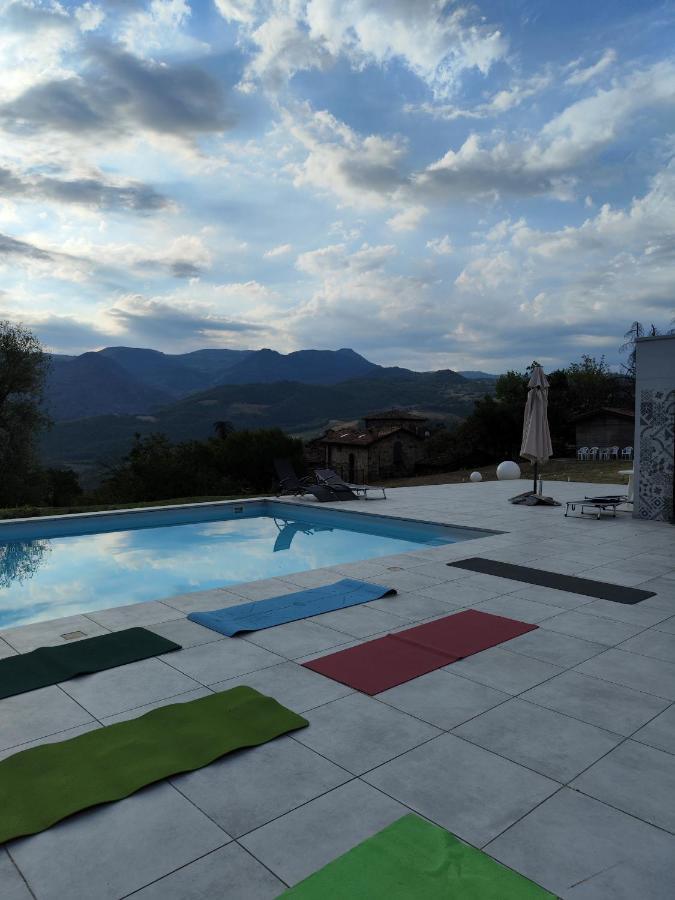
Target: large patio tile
x=107, y=852
x=230, y=869
x=412, y=607
x=360, y=621
x=204, y=601
x=636, y=778
x=611, y=706
x=667, y=625
x=126, y=687
x=457, y=593
x=37, y=714
x=188, y=697
x=371, y=568
x=592, y=628
x=505, y=671
x=305, y=840
x=639, y=672
x=561, y=599
x=470, y=791
x=548, y=742
x=405, y=580
x=263, y=589
x=312, y=578
x=55, y=738
x=442, y=699
x=660, y=732
x=493, y=584
x=580, y=848
x=245, y=790
x=28, y=637
x=136, y=614
x=6, y=650
x=635, y=614
x=439, y=570
x=291, y=685
x=295, y=639
x=655, y=643
x=209, y=663
x=554, y=647
x=359, y=733
x=13, y=885
x=516, y=607
x=185, y=633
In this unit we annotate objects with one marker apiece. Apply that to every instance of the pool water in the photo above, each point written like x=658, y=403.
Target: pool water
x=55, y=568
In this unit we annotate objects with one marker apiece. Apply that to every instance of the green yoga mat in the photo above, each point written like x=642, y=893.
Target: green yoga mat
x=415, y=860
x=43, y=785
x=50, y=665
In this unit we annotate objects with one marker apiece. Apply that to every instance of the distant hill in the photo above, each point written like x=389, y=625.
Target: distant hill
x=291, y=405
x=92, y=384
x=478, y=376
x=138, y=380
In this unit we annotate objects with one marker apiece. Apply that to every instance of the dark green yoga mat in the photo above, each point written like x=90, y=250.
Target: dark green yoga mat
x=50, y=665
x=45, y=784
x=415, y=860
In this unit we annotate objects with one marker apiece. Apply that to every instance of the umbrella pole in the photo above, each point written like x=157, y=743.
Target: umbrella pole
x=534, y=486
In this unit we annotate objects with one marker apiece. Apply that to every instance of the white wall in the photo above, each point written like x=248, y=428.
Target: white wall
x=654, y=427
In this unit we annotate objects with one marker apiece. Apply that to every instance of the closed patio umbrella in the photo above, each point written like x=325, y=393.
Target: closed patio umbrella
x=536, y=445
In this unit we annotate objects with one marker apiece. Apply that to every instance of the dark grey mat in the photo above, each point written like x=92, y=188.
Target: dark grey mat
x=570, y=583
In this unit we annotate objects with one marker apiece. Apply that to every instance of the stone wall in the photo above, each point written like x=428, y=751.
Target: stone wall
x=655, y=428
x=397, y=454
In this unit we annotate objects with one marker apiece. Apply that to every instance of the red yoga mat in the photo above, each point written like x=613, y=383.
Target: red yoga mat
x=465, y=633
x=385, y=662
x=380, y=664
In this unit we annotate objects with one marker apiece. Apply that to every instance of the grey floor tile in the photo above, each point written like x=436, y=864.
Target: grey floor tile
x=405, y=580
x=503, y=670
x=107, y=852
x=360, y=621
x=470, y=791
x=37, y=714
x=637, y=779
x=126, y=687
x=263, y=589
x=43, y=634
x=128, y=714
x=229, y=872
x=224, y=659
x=11, y=883
x=204, y=601
x=667, y=625
x=597, y=629
x=136, y=614
x=554, y=647
x=312, y=578
x=305, y=840
x=639, y=672
x=655, y=643
x=516, y=607
x=291, y=685
x=443, y=699
x=578, y=847
x=635, y=614
x=296, y=639
x=359, y=732
x=457, y=593
x=562, y=599
x=413, y=607
x=660, y=732
x=548, y=742
x=185, y=633
x=6, y=650
x=611, y=706
x=50, y=739
x=243, y=791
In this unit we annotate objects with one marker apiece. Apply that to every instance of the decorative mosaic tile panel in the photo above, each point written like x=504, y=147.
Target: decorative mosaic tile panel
x=657, y=439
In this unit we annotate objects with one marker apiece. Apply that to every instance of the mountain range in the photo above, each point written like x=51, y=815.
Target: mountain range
x=99, y=400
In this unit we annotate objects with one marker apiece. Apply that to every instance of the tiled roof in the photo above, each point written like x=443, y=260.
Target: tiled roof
x=362, y=437
x=624, y=413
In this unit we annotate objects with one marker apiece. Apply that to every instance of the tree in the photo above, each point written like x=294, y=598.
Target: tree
x=23, y=370
x=223, y=428
x=636, y=330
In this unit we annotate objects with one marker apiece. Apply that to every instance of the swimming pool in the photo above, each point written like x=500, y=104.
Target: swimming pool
x=72, y=564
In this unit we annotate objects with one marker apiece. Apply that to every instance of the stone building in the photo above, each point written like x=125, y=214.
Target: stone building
x=390, y=444
x=605, y=428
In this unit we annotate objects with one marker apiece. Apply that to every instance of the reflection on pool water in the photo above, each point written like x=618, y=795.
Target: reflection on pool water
x=62, y=567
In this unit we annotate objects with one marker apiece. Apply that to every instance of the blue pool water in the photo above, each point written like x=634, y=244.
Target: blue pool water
x=53, y=568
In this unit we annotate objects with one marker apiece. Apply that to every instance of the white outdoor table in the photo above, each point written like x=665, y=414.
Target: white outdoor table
x=628, y=472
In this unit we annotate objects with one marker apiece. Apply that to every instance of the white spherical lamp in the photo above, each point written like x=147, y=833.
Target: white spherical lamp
x=508, y=470
x=475, y=476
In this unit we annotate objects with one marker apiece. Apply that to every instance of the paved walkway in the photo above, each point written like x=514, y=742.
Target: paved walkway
x=555, y=752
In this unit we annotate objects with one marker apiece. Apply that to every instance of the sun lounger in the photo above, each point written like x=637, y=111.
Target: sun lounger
x=332, y=479
x=597, y=505
x=291, y=484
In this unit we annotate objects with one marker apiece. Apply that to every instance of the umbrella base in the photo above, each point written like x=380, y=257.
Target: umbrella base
x=530, y=498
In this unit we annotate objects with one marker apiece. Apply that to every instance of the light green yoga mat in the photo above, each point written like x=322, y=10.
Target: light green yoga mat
x=415, y=860
x=43, y=785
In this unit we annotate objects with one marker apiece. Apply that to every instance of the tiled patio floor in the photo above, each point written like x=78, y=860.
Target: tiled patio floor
x=554, y=752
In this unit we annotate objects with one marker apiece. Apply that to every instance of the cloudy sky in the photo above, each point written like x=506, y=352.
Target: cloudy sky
x=436, y=184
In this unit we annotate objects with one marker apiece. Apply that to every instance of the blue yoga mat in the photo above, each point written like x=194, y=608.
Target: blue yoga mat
x=290, y=607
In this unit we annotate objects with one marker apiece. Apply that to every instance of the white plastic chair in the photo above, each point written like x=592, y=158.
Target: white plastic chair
x=604, y=454
x=627, y=453
x=614, y=452
x=582, y=453
x=593, y=452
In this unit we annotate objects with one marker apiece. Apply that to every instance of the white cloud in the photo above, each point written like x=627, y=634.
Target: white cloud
x=581, y=76
x=336, y=258
x=280, y=250
x=161, y=27
x=442, y=246
x=408, y=219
